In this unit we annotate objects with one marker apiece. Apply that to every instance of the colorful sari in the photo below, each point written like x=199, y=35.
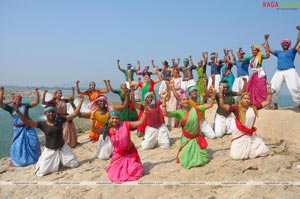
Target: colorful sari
x=245, y=143
x=201, y=77
x=257, y=84
x=125, y=163
x=129, y=113
x=227, y=75
x=25, y=148
x=94, y=94
x=148, y=87
x=192, y=152
x=99, y=123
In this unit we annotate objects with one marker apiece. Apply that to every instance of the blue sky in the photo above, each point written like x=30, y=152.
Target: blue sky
x=54, y=43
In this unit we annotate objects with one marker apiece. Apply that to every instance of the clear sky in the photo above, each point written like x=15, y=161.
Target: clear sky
x=56, y=42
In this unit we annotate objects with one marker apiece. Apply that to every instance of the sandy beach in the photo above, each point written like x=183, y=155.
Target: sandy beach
x=275, y=176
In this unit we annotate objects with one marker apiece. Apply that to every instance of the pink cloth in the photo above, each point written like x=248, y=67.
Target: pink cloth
x=257, y=87
x=125, y=163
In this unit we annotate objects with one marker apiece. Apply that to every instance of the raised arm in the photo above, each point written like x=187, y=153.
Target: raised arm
x=212, y=94
x=232, y=55
x=125, y=103
x=154, y=66
x=172, y=88
x=139, y=66
x=269, y=96
x=221, y=99
x=77, y=87
x=298, y=47
x=2, y=105
x=37, y=98
x=77, y=110
x=108, y=85
x=159, y=78
x=192, y=63
x=164, y=106
x=73, y=92
x=43, y=98
x=142, y=119
x=266, y=46
x=119, y=67
x=136, y=105
x=298, y=37
x=205, y=57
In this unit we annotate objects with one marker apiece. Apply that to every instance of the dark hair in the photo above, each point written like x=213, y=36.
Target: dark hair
x=89, y=90
x=166, y=63
x=224, y=81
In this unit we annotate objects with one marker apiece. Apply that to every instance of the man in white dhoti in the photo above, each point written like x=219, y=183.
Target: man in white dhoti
x=286, y=72
x=55, y=150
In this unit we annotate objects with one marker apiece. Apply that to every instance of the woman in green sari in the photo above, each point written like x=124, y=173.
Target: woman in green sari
x=192, y=152
x=146, y=86
x=129, y=113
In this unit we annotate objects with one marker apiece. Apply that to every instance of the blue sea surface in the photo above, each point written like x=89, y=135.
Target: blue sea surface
x=36, y=113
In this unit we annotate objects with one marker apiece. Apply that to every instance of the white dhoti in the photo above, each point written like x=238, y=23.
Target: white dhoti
x=238, y=85
x=244, y=146
x=186, y=84
x=162, y=87
x=292, y=80
x=247, y=146
x=51, y=158
x=207, y=130
x=153, y=136
x=104, y=148
x=224, y=125
x=217, y=81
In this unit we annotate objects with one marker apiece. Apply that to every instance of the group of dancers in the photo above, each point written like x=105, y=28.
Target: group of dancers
x=180, y=102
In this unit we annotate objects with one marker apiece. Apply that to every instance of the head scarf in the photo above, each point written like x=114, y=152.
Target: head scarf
x=191, y=88
x=256, y=60
x=286, y=40
x=224, y=83
x=14, y=97
x=186, y=60
x=106, y=126
x=242, y=112
x=147, y=95
x=129, y=65
x=99, y=98
x=182, y=94
x=49, y=108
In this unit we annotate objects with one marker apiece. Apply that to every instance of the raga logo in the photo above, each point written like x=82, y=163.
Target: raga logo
x=282, y=5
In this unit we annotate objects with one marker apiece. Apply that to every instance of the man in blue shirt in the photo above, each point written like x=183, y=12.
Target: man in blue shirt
x=286, y=72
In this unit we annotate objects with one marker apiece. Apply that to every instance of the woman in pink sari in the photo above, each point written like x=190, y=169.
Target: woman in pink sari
x=257, y=84
x=125, y=163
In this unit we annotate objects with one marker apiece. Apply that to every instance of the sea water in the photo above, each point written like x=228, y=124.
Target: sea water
x=36, y=113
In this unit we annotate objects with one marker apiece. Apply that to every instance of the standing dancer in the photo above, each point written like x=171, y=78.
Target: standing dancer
x=286, y=72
